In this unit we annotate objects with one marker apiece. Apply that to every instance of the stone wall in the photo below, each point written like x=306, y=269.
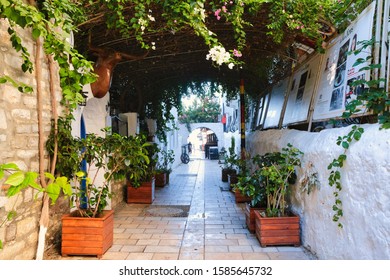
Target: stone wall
x=365, y=194
x=119, y=193
x=19, y=144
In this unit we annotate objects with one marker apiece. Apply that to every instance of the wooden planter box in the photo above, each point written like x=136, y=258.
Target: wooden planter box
x=167, y=177
x=271, y=231
x=226, y=173
x=143, y=194
x=87, y=236
x=161, y=179
x=233, y=179
x=240, y=198
x=250, y=218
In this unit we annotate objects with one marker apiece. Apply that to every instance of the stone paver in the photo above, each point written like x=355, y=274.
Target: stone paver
x=215, y=228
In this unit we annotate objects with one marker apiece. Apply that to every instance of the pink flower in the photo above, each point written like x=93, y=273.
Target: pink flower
x=224, y=9
x=216, y=13
x=237, y=53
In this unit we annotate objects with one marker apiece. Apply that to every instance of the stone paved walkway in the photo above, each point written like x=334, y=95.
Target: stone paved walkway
x=215, y=228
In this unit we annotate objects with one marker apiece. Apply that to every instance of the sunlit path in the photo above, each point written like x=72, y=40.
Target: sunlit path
x=213, y=228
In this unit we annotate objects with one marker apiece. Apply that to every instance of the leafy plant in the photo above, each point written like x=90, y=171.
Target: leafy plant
x=277, y=174
x=374, y=99
x=231, y=158
x=205, y=111
x=81, y=159
x=249, y=184
x=335, y=166
x=165, y=162
x=18, y=180
x=309, y=180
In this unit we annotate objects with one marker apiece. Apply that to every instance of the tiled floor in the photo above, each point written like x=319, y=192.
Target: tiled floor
x=214, y=229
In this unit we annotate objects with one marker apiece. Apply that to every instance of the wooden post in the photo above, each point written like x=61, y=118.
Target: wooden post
x=242, y=112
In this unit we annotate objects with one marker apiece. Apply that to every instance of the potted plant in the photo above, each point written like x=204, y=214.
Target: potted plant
x=141, y=177
x=230, y=159
x=164, y=167
x=238, y=184
x=244, y=172
x=276, y=225
x=92, y=163
x=253, y=191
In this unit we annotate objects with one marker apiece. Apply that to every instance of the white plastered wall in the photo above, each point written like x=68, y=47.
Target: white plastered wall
x=365, y=194
x=95, y=119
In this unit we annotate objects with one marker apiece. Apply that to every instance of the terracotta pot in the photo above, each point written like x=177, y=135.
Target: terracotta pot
x=271, y=231
x=87, y=236
x=143, y=194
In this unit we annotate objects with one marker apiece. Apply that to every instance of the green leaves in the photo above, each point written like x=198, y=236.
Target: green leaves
x=20, y=180
x=57, y=185
x=344, y=141
x=20, y=86
x=276, y=173
x=334, y=178
x=374, y=96
x=45, y=23
x=15, y=179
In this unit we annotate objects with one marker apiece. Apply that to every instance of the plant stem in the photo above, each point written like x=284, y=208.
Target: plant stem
x=44, y=220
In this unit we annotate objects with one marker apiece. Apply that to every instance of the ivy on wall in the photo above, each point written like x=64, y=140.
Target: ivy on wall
x=375, y=100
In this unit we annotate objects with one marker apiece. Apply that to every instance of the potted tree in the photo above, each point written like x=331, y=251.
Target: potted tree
x=141, y=175
x=228, y=167
x=276, y=225
x=92, y=163
x=239, y=183
x=164, y=167
x=249, y=190
x=243, y=175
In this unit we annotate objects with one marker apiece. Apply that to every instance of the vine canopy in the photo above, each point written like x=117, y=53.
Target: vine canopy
x=187, y=42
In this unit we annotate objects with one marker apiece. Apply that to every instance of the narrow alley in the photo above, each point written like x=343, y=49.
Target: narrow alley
x=213, y=229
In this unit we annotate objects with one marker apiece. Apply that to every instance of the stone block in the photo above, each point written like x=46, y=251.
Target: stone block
x=27, y=154
x=3, y=201
x=30, y=101
x=13, y=203
x=32, y=238
x=28, y=195
x=3, y=120
x=11, y=94
x=27, y=224
x=23, y=129
x=21, y=114
x=33, y=141
x=19, y=141
x=10, y=232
